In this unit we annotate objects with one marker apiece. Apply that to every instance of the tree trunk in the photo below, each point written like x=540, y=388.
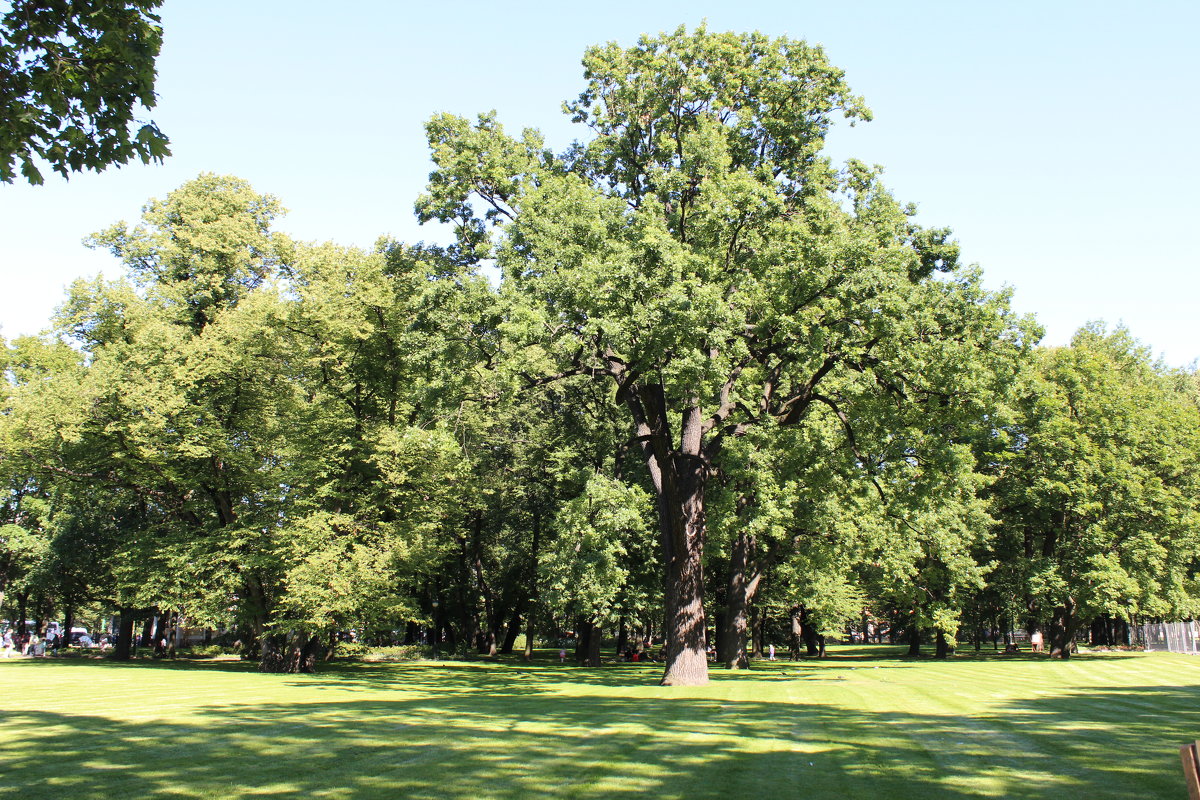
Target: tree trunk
x=22, y=611
x=758, y=621
x=513, y=630
x=687, y=662
x=583, y=636
x=1062, y=629
x=814, y=646
x=175, y=620
x=291, y=652
x=743, y=584
x=943, y=646
x=529, y=633
x=914, y=638
x=683, y=531
x=797, y=638
x=622, y=638
x=157, y=624
x=147, y=632
x=64, y=636
x=124, y=644
x=258, y=610
x=679, y=476
x=595, y=638
x=534, y=556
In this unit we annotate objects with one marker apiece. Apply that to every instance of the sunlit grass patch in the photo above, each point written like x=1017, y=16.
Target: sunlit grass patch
x=857, y=724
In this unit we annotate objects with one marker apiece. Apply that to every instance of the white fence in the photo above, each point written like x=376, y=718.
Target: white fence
x=1173, y=637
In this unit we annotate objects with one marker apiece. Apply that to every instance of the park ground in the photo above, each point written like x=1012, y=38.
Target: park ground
x=865, y=722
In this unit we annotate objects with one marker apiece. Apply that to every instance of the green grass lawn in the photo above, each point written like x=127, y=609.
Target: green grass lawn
x=863, y=723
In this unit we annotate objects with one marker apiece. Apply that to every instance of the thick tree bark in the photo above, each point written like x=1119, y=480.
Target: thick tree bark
x=1062, y=629
x=744, y=577
x=513, y=630
x=124, y=645
x=687, y=662
x=583, y=631
x=679, y=476
x=914, y=638
x=595, y=639
x=943, y=646
x=813, y=641
x=797, y=638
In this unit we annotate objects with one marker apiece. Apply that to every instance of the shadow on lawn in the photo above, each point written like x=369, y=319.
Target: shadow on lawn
x=495, y=733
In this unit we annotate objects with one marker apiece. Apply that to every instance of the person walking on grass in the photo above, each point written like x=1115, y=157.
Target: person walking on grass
x=770, y=652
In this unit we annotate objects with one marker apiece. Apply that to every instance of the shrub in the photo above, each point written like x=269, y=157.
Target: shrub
x=350, y=650
x=208, y=650
x=401, y=652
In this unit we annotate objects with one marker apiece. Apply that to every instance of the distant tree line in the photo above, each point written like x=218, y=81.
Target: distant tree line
x=720, y=386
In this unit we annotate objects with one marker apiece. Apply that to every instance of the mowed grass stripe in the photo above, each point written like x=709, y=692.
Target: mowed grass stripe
x=845, y=727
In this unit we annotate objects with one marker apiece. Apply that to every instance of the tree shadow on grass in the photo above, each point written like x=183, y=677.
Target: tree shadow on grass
x=467, y=731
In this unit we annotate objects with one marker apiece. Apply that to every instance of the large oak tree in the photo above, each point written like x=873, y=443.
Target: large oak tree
x=700, y=255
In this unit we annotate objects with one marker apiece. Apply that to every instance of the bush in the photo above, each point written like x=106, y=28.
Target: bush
x=207, y=650
x=400, y=652
x=350, y=650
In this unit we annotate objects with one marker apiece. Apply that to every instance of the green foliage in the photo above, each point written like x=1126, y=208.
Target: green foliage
x=209, y=651
x=1099, y=492
x=403, y=652
x=72, y=77
x=350, y=650
x=703, y=258
x=603, y=536
x=832, y=414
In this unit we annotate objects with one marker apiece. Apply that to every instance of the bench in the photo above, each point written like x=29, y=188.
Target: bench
x=1190, y=755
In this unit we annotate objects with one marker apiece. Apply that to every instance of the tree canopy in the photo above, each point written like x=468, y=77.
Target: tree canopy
x=73, y=76
x=724, y=389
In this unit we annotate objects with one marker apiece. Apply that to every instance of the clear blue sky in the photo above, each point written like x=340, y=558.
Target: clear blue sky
x=1058, y=140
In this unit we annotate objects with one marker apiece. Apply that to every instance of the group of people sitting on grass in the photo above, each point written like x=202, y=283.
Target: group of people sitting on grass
x=30, y=644
x=637, y=654
x=27, y=644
